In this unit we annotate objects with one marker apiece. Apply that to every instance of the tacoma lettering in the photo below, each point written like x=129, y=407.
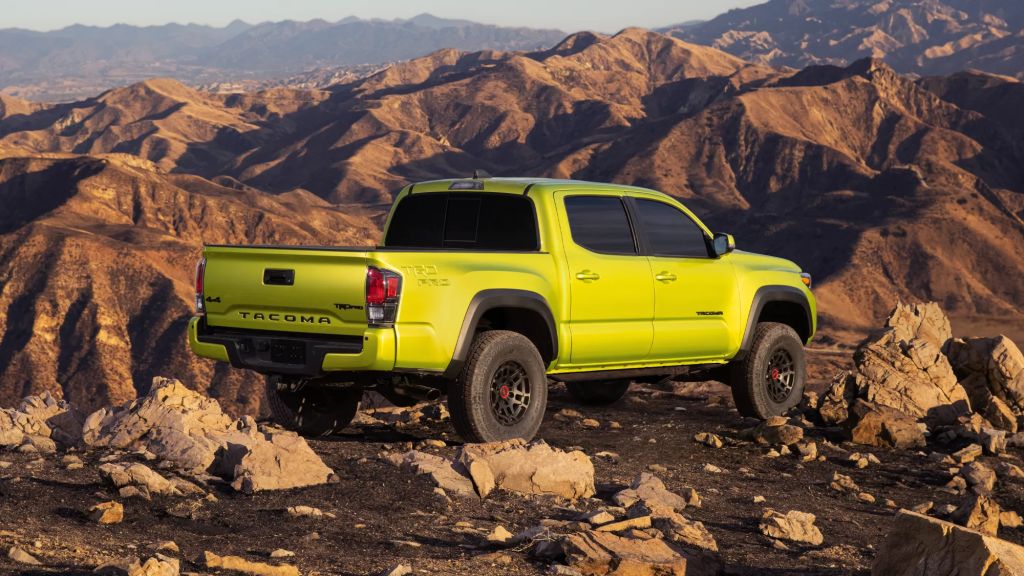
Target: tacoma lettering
x=291, y=318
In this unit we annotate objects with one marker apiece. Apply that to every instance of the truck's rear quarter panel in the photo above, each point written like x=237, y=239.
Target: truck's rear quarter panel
x=438, y=287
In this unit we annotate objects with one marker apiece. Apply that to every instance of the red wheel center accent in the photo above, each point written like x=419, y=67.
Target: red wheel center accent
x=503, y=392
x=775, y=373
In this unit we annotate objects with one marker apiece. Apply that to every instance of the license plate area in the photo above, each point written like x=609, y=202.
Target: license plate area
x=287, y=352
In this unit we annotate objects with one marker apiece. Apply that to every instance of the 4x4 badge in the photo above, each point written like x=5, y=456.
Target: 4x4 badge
x=212, y=299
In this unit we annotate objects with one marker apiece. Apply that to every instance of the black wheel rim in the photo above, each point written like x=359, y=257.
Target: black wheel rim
x=510, y=393
x=780, y=376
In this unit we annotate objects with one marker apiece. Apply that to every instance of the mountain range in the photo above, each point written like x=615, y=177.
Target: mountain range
x=923, y=37
x=883, y=186
x=78, y=61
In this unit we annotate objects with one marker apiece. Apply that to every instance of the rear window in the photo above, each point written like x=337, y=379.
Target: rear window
x=464, y=221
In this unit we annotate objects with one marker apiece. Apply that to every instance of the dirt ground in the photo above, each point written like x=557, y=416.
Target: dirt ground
x=385, y=516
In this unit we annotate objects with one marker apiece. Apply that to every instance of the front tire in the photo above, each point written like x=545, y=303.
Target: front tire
x=597, y=393
x=311, y=411
x=771, y=377
x=503, y=390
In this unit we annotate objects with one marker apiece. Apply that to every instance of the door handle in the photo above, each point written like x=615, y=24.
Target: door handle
x=587, y=276
x=665, y=277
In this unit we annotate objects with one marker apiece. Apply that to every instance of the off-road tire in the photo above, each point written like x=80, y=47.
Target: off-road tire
x=499, y=356
x=600, y=393
x=312, y=411
x=754, y=390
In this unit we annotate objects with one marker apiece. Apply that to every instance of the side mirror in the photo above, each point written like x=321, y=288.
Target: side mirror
x=723, y=244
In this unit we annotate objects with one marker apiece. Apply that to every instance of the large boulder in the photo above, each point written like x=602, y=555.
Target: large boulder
x=904, y=371
x=905, y=367
x=528, y=468
x=992, y=372
x=192, y=434
x=918, y=545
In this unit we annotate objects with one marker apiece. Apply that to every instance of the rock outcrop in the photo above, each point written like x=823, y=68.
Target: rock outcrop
x=915, y=375
x=918, y=545
x=191, y=433
x=906, y=370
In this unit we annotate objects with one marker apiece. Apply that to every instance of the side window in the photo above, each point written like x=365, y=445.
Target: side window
x=600, y=224
x=669, y=231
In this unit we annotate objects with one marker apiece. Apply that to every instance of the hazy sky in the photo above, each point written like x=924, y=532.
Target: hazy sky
x=569, y=15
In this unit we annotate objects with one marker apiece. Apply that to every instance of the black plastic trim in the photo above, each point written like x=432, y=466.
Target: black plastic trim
x=489, y=300
x=242, y=347
x=620, y=373
x=763, y=296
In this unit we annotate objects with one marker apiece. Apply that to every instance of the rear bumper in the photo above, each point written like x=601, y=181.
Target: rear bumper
x=293, y=353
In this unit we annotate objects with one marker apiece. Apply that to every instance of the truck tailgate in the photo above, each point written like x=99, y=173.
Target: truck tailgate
x=308, y=290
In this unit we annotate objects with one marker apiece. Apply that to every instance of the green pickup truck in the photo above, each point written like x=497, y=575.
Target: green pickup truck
x=486, y=288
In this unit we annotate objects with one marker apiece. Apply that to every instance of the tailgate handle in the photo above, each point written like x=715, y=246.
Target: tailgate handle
x=276, y=277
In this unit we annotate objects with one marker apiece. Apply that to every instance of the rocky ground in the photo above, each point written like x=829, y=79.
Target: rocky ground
x=375, y=515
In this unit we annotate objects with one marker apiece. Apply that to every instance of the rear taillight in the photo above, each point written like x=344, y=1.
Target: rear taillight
x=200, y=274
x=383, y=289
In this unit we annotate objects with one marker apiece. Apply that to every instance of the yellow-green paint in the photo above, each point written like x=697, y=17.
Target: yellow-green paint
x=625, y=319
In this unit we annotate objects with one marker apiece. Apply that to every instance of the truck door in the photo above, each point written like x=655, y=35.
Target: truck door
x=610, y=286
x=694, y=293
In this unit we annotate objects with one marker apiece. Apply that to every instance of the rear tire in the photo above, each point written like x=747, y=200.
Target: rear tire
x=770, y=379
x=312, y=411
x=600, y=393
x=503, y=389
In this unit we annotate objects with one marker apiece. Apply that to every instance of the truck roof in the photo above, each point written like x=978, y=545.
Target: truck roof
x=518, y=185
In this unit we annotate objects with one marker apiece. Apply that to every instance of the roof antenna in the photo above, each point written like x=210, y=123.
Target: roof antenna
x=478, y=174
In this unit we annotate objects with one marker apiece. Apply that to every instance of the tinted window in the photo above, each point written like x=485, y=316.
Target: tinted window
x=669, y=231
x=600, y=224
x=463, y=220
x=418, y=222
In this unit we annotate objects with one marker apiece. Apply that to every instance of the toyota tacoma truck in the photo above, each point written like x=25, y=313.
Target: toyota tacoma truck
x=485, y=289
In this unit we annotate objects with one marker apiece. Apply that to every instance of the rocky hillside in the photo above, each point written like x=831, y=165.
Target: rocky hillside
x=919, y=36
x=881, y=186
x=97, y=257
